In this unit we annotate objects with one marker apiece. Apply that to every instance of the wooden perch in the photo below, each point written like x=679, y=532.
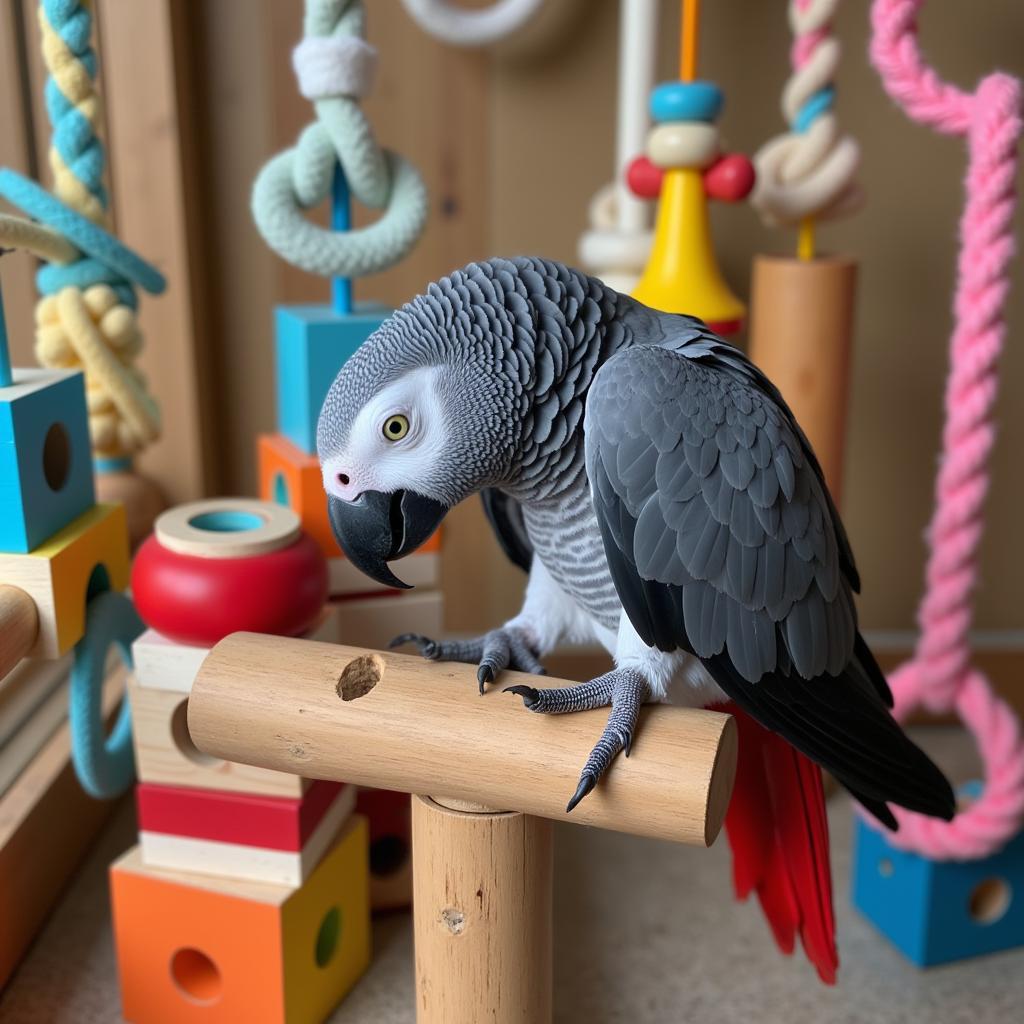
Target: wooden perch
x=482, y=878
x=397, y=722
x=19, y=624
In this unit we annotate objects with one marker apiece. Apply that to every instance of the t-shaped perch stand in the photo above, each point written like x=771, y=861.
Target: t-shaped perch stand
x=482, y=878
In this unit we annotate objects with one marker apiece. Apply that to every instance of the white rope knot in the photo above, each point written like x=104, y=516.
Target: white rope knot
x=332, y=66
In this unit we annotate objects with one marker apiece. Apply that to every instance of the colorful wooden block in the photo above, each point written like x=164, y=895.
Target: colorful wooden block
x=46, y=478
x=312, y=342
x=938, y=911
x=375, y=621
x=390, y=818
x=165, y=753
x=194, y=948
x=237, y=835
x=291, y=477
x=163, y=664
x=58, y=574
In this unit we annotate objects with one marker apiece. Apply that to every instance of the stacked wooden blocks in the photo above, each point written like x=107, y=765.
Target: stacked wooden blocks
x=57, y=549
x=312, y=344
x=259, y=879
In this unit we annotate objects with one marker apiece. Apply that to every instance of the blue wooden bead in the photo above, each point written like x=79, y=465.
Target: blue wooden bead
x=46, y=479
x=686, y=101
x=935, y=912
x=312, y=343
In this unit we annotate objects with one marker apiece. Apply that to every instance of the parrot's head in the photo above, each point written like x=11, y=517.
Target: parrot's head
x=416, y=421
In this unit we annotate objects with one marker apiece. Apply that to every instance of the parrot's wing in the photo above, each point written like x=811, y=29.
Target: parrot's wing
x=721, y=540
x=505, y=515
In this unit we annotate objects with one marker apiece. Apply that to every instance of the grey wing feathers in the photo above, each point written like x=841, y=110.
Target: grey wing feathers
x=505, y=515
x=707, y=475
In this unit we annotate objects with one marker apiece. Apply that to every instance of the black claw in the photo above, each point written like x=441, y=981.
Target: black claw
x=587, y=783
x=627, y=744
x=530, y=694
x=404, y=638
x=484, y=675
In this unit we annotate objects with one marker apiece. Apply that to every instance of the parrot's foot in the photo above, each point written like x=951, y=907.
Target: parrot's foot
x=501, y=648
x=624, y=689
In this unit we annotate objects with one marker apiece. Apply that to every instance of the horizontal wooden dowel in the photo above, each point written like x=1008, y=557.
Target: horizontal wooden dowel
x=398, y=722
x=19, y=624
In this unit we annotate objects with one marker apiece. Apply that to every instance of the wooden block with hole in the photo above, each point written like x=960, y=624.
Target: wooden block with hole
x=197, y=948
x=280, y=840
x=290, y=476
x=59, y=574
x=165, y=753
x=46, y=477
x=936, y=912
x=390, y=817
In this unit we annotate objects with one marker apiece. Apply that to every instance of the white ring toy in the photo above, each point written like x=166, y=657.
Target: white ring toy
x=682, y=144
x=458, y=26
x=228, y=533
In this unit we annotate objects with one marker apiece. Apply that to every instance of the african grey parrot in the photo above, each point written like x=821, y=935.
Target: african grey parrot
x=657, y=489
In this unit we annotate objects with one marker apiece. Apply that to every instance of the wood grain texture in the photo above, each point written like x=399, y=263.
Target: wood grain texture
x=482, y=899
x=420, y=727
x=801, y=332
x=19, y=626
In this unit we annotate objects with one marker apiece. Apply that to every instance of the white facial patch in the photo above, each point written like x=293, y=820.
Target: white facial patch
x=374, y=462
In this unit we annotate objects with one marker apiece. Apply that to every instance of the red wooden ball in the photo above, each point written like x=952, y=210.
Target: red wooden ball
x=730, y=179
x=643, y=178
x=196, y=600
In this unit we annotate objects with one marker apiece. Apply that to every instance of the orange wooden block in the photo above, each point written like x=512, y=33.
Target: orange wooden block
x=291, y=477
x=193, y=948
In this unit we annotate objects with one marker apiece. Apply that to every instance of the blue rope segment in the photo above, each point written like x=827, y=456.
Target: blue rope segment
x=105, y=766
x=817, y=104
x=341, y=220
x=120, y=464
x=111, y=261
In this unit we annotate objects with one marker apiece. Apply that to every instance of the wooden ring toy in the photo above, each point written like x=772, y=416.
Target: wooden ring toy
x=683, y=144
x=227, y=528
x=686, y=101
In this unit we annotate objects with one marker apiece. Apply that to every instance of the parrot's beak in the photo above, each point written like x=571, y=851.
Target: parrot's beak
x=377, y=528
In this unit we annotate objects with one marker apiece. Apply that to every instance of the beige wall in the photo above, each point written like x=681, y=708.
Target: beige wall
x=512, y=148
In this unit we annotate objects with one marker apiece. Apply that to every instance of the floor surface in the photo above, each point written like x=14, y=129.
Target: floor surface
x=646, y=932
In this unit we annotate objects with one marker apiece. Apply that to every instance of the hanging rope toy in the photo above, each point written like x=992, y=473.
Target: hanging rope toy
x=940, y=676
x=810, y=172
x=334, y=65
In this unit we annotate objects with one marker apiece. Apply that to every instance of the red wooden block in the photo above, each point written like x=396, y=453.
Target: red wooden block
x=276, y=823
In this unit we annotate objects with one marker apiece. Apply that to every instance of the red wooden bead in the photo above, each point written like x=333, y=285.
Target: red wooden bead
x=730, y=179
x=195, y=600
x=643, y=178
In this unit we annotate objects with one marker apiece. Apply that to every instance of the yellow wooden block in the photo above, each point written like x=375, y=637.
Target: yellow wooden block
x=193, y=947
x=56, y=575
x=165, y=753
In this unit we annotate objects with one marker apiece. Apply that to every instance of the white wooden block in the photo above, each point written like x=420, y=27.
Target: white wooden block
x=420, y=569
x=163, y=664
x=254, y=863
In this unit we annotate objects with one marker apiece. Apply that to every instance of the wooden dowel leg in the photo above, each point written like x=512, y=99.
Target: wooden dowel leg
x=482, y=908
x=19, y=626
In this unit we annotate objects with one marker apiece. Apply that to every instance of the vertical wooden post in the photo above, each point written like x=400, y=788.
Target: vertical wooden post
x=801, y=324
x=482, y=908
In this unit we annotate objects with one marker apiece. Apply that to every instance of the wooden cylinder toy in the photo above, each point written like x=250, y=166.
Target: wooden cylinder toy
x=482, y=915
x=398, y=722
x=19, y=626
x=801, y=325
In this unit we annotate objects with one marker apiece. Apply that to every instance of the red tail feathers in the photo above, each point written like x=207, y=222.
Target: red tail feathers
x=779, y=836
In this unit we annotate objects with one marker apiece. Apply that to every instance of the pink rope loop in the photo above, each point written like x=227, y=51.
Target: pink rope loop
x=940, y=675
x=986, y=824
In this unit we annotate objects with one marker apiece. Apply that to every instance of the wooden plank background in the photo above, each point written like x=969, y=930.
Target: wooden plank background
x=512, y=144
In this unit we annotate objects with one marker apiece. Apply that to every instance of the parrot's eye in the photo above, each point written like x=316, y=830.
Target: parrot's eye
x=396, y=427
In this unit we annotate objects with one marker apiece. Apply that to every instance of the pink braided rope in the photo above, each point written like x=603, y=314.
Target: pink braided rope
x=940, y=676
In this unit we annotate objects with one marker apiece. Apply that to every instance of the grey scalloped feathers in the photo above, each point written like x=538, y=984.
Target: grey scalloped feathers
x=667, y=505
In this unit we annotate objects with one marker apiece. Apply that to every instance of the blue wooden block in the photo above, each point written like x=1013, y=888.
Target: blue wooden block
x=46, y=478
x=312, y=343
x=938, y=911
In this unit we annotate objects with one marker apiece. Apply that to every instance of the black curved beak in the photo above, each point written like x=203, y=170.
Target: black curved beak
x=377, y=528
